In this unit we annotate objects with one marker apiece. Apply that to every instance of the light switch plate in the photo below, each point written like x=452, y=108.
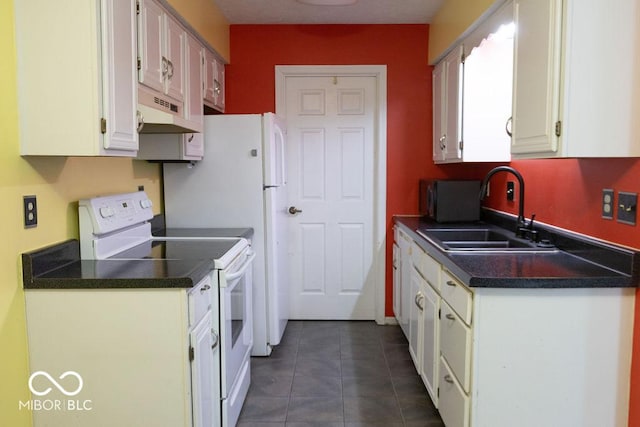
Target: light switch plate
x=627, y=207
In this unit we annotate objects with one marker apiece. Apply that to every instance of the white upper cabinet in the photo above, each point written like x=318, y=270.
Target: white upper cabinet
x=176, y=38
x=575, y=91
x=488, y=89
x=188, y=146
x=447, y=113
x=162, y=42
x=150, y=46
x=77, y=85
x=536, y=81
x=601, y=94
x=472, y=91
x=213, y=81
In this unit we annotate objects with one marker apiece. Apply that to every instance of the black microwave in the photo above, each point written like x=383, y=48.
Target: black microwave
x=450, y=200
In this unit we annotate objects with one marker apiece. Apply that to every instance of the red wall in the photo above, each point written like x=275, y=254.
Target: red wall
x=256, y=49
x=565, y=193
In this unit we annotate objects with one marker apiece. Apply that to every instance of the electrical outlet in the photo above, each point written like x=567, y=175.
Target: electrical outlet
x=607, y=203
x=511, y=189
x=30, y=211
x=627, y=207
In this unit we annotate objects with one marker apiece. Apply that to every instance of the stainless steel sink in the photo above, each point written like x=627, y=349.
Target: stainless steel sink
x=478, y=239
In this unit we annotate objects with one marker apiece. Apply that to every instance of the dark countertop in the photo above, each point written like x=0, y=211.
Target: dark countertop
x=579, y=263
x=170, y=264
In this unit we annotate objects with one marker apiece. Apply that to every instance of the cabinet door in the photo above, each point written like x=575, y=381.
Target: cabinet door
x=175, y=37
x=453, y=130
x=202, y=373
x=194, y=109
x=439, y=110
x=193, y=146
x=406, y=267
x=397, y=298
x=218, y=86
x=151, y=45
x=119, y=83
x=430, y=341
x=454, y=404
x=415, y=319
x=214, y=95
x=536, y=84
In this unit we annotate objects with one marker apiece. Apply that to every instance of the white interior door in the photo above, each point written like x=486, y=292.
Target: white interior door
x=330, y=154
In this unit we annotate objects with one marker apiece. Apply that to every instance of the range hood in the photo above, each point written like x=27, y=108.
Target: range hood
x=162, y=115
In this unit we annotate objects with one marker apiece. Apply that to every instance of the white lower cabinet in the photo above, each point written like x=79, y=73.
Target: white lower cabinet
x=402, y=306
x=526, y=357
x=140, y=357
x=454, y=402
x=416, y=319
x=430, y=341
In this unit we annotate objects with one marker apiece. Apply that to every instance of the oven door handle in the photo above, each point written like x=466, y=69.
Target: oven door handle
x=241, y=270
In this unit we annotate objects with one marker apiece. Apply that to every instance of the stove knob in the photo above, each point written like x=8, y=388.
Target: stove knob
x=146, y=203
x=106, y=212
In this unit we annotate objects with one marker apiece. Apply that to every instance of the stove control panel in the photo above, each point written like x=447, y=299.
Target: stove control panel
x=107, y=214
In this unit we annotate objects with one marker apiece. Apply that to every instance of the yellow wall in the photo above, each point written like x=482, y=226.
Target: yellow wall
x=451, y=20
x=205, y=17
x=58, y=182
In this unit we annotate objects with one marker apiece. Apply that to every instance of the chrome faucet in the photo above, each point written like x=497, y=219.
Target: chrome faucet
x=522, y=229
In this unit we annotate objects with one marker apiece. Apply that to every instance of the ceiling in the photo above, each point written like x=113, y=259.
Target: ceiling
x=362, y=12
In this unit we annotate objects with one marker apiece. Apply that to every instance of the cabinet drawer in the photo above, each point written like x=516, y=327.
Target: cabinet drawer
x=455, y=344
x=428, y=268
x=453, y=403
x=200, y=300
x=457, y=296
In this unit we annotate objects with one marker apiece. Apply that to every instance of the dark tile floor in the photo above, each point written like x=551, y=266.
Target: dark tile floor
x=338, y=374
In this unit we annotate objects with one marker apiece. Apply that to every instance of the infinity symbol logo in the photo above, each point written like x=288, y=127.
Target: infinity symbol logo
x=55, y=383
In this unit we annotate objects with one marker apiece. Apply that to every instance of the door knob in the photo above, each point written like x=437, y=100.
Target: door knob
x=293, y=210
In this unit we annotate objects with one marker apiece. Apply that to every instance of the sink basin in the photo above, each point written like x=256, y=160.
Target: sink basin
x=478, y=239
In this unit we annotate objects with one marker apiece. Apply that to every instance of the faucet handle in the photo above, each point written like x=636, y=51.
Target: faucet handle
x=530, y=225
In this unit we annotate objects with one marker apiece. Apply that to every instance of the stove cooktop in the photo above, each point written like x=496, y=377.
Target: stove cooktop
x=192, y=249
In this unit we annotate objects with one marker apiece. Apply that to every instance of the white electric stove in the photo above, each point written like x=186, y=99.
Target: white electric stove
x=118, y=227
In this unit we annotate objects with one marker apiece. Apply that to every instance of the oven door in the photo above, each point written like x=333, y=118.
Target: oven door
x=236, y=317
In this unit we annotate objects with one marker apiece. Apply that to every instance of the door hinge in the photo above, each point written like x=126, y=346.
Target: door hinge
x=461, y=145
x=103, y=125
x=438, y=392
x=139, y=63
x=137, y=8
x=462, y=58
x=558, y=128
x=192, y=354
x=439, y=313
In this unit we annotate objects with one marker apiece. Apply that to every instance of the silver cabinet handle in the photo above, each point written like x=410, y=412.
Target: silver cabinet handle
x=170, y=70
x=418, y=300
x=293, y=210
x=216, y=339
x=216, y=87
x=140, y=118
x=507, y=126
x=451, y=283
x=450, y=317
x=448, y=379
x=204, y=289
x=443, y=138
x=165, y=66
x=190, y=137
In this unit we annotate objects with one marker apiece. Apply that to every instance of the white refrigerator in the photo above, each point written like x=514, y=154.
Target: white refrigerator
x=241, y=182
